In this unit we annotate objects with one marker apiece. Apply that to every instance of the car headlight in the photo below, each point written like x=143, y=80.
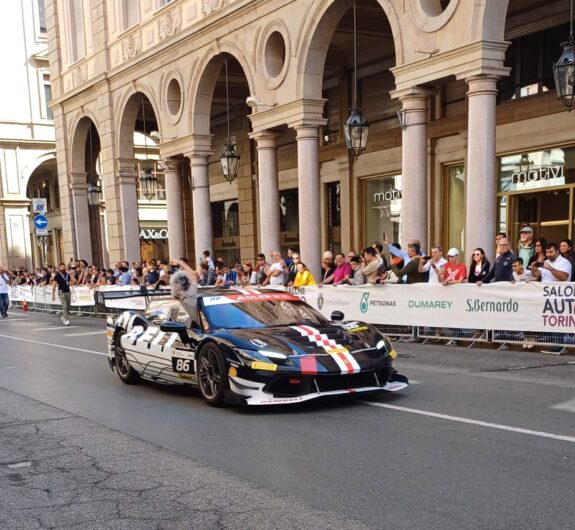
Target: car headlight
x=385, y=344
x=249, y=356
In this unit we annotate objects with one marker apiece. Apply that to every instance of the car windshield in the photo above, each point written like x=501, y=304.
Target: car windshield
x=264, y=311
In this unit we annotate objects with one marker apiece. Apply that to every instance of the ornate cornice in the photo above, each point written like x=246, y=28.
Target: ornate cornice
x=209, y=6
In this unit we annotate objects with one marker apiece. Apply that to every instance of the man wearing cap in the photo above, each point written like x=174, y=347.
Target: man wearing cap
x=526, y=249
x=454, y=271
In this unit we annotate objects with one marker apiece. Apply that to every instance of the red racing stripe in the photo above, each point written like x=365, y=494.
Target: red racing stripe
x=348, y=365
x=308, y=365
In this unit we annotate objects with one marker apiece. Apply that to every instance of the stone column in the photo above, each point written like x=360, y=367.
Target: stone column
x=203, y=233
x=268, y=195
x=174, y=204
x=81, y=217
x=309, y=197
x=128, y=195
x=415, y=107
x=481, y=168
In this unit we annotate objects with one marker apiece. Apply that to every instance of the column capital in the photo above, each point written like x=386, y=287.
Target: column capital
x=482, y=85
x=78, y=180
x=199, y=158
x=198, y=144
x=307, y=130
x=171, y=164
x=266, y=139
x=414, y=93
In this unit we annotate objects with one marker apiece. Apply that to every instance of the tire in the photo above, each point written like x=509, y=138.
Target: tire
x=212, y=377
x=125, y=372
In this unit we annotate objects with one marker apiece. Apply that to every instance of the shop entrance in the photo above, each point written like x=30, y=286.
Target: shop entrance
x=548, y=212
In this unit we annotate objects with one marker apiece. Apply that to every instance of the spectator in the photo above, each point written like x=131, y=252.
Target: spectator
x=370, y=265
x=555, y=269
x=526, y=249
x=152, y=278
x=261, y=268
x=479, y=266
x=502, y=268
x=498, y=238
x=540, y=254
x=249, y=276
x=327, y=266
x=62, y=283
x=433, y=264
x=275, y=272
x=566, y=248
x=291, y=269
x=357, y=277
x=411, y=269
x=341, y=272
x=520, y=274
x=351, y=254
x=303, y=277
x=124, y=278
x=210, y=263
x=4, y=296
x=454, y=271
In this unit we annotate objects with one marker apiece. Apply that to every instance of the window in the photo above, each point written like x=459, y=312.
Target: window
x=41, y=16
x=130, y=13
x=531, y=61
x=47, y=89
x=334, y=216
x=163, y=2
x=77, y=37
x=456, y=207
x=383, y=198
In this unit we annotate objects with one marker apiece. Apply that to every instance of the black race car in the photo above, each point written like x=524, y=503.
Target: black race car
x=259, y=347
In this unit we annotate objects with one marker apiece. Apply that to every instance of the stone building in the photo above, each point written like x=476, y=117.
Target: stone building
x=467, y=134
x=27, y=145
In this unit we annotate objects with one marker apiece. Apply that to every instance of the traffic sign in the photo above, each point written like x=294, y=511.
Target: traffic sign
x=40, y=221
x=39, y=206
x=41, y=232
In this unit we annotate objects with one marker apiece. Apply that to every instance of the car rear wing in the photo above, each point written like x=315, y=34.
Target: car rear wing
x=135, y=298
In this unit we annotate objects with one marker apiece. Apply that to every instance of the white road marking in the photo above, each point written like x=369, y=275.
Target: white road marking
x=52, y=329
x=84, y=334
x=9, y=367
x=11, y=319
x=566, y=405
x=53, y=345
x=479, y=423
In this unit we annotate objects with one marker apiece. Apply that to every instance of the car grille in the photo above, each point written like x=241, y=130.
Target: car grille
x=327, y=383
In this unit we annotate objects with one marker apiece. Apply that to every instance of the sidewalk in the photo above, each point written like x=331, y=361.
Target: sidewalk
x=58, y=470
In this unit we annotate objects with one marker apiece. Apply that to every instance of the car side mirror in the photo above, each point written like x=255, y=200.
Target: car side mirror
x=176, y=327
x=337, y=315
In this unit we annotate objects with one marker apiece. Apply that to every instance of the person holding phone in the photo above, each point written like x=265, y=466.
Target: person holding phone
x=433, y=264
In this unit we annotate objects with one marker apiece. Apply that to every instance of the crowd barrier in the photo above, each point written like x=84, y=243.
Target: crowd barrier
x=528, y=313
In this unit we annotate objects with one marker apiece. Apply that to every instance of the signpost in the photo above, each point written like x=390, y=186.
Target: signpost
x=41, y=224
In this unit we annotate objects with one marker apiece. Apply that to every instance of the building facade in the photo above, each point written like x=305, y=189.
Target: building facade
x=27, y=144
x=467, y=135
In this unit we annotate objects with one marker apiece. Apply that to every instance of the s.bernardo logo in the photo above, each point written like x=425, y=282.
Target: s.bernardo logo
x=364, y=304
x=320, y=301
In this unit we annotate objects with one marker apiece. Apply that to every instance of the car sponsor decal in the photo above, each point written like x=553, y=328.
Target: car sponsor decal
x=340, y=354
x=308, y=365
x=270, y=367
x=249, y=297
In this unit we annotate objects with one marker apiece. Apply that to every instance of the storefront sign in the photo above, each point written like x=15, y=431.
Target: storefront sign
x=389, y=195
x=538, y=175
x=154, y=233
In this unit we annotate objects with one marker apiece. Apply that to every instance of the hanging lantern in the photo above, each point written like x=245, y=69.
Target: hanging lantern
x=525, y=163
x=564, y=69
x=356, y=127
x=230, y=158
x=94, y=194
x=148, y=182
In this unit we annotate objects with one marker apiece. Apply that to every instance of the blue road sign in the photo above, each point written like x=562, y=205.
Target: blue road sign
x=40, y=221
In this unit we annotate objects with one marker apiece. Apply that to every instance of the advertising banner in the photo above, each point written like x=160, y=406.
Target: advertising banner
x=500, y=306
x=80, y=295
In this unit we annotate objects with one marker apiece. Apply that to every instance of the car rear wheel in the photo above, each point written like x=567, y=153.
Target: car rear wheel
x=212, y=375
x=125, y=372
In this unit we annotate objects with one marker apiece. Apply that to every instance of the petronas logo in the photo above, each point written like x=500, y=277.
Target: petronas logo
x=320, y=301
x=364, y=304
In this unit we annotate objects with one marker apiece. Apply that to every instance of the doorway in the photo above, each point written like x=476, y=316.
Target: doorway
x=547, y=212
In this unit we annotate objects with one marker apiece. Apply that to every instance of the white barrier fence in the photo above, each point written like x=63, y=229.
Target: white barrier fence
x=543, y=313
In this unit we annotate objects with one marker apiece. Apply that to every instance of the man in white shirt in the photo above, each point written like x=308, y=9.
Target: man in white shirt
x=4, y=286
x=555, y=268
x=433, y=265
x=275, y=273
x=520, y=274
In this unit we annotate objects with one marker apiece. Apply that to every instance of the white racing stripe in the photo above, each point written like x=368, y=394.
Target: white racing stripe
x=469, y=421
x=42, y=343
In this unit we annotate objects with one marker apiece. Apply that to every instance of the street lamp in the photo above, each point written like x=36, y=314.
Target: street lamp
x=564, y=69
x=525, y=163
x=356, y=127
x=94, y=194
x=148, y=180
x=230, y=159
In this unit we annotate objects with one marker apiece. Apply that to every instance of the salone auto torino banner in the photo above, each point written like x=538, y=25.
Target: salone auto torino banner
x=546, y=307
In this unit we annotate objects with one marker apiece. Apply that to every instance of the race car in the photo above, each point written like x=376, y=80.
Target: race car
x=256, y=347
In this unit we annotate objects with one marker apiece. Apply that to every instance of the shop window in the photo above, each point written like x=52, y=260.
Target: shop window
x=289, y=220
x=334, y=216
x=383, y=200
x=456, y=207
x=531, y=61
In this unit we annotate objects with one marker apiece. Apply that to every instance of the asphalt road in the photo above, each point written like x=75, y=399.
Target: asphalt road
x=482, y=439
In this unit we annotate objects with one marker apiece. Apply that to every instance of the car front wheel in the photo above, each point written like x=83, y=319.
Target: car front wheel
x=125, y=372
x=212, y=375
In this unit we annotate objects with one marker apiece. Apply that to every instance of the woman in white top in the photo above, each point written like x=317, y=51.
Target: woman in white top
x=479, y=266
